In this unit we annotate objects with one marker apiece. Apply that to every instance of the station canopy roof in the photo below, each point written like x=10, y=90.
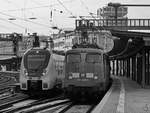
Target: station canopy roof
x=127, y=44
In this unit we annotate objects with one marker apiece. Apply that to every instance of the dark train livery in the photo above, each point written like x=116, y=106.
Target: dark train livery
x=87, y=71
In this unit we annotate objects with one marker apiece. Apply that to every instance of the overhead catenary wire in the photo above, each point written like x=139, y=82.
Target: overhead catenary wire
x=4, y=27
x=25, y=20
x=35, y=2
x=10, y=2
x=20, y=26
x=65, y=8
x=24, y=9
x=38, y=7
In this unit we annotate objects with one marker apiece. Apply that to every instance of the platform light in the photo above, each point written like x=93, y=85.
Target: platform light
x=12, y=19
x=32, y=18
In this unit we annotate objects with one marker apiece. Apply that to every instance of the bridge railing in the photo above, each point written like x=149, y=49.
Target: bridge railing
x=113, y=23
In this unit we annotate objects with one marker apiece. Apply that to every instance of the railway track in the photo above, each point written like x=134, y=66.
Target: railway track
x=5, y=90
x=12, y=103
x=78, y=109
x=5, y=81
x=44, y=105
x=69, y=108
x=7, y=102
x=6, y=93
x=31, y=105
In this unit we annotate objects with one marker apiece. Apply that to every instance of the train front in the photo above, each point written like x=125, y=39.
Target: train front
x=33, y=74
x=83, y=71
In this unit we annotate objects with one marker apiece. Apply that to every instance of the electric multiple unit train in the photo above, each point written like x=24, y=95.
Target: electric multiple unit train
x=87, y=71
x=39, y=70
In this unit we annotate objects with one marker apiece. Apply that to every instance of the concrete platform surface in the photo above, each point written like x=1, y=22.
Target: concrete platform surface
x=125, y=96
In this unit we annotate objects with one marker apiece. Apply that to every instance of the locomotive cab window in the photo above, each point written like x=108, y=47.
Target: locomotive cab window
x=93, y=58
x=73, y=58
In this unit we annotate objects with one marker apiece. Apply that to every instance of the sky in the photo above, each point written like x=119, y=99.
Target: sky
x=17, y=15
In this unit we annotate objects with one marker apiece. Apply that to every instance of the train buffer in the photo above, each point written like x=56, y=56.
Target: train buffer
x=125, y=96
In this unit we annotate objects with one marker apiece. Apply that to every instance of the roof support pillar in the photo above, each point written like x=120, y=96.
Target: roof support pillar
x=128, y=67
x=113, y=67
x=143, y=67
x=117, y=67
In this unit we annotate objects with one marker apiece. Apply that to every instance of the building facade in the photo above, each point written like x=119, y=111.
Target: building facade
x=108, y=13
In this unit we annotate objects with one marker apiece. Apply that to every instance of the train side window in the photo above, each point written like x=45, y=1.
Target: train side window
x=93, y=58
x=73, y=58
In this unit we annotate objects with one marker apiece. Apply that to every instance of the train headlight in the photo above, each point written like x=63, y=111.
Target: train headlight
x=44, y=72
x=70, y=75
x=25, y=72
x=95, y=77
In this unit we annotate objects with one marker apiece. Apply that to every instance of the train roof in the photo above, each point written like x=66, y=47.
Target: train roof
x=36, y=48
x=84, y=50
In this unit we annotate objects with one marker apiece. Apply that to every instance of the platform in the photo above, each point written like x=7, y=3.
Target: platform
x=125, y=96
x=6, y=57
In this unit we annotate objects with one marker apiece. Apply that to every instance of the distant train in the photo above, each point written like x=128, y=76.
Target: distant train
x=39, y=70
x=87, y=71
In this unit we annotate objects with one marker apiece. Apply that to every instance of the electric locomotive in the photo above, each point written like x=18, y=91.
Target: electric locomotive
x=38, y=70
x=87, y=71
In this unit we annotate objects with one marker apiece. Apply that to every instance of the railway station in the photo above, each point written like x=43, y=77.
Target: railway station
x=100, y=66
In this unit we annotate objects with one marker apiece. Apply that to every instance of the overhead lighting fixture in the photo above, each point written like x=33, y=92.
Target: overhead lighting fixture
x=32, y=18
x=72, y=17
x=54, y=27
x=12, y=19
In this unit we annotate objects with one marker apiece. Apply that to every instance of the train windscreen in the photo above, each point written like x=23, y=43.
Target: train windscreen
x=36, y=61
x=93, y=58
x=73, y=58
